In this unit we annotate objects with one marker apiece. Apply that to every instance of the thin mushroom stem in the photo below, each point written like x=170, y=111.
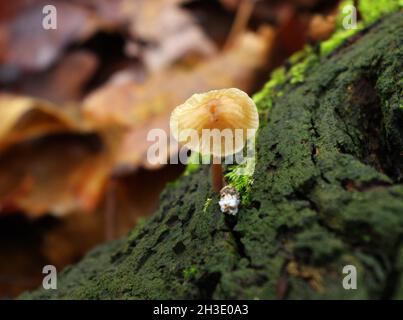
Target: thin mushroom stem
x=217, y=175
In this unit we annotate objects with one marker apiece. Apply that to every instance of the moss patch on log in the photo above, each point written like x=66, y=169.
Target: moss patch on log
x=327, y=193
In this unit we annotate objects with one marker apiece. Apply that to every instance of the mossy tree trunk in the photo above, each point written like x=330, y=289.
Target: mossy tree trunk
x=327, y=193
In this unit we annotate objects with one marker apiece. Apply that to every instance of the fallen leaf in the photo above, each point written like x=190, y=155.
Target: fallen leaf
x=74, y=22
x=56, y=174
x=321, y=27
x=168, y=31
x=65, y=81
x=24, y=118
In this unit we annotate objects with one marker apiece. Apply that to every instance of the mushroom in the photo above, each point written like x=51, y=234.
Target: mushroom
x=227, y=116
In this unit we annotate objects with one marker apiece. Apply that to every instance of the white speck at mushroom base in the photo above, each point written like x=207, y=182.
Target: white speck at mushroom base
x=229, y=200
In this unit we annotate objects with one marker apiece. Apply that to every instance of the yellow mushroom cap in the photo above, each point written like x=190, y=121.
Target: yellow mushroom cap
x=231, y=111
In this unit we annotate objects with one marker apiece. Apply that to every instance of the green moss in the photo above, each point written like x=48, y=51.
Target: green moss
x=341, y=34
x=323, y=245
x=372, y=10
x=207, y=204
x=190, y=273
x=337, y=39
x=241, y=177
x=270, y=90
x=342, y=15
x=141, y=222
x=194, y=162
x=301, y=62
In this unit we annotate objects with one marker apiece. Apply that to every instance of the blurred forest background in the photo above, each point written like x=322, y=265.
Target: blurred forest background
x=76, y=104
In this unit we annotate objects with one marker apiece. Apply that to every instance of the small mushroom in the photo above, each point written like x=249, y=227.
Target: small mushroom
x=225, y=116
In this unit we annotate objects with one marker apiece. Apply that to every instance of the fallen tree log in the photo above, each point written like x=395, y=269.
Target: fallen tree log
x=327, y=193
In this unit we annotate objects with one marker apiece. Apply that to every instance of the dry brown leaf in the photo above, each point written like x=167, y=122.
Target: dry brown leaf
x=169, y=31
x=24, y=118
x=322, y=27
x=26, y=31
x=57, y=174
x=291, y=36
x=64, y=82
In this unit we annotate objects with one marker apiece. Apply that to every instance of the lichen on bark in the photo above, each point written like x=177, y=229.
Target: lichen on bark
x=327, y=193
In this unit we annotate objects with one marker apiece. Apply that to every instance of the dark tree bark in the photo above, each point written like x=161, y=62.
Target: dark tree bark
x=327, y=193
